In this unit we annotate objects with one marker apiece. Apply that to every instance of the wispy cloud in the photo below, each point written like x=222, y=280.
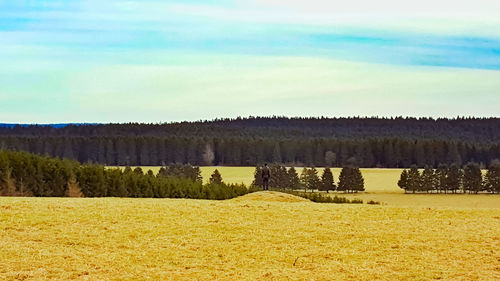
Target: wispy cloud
x=171, y=60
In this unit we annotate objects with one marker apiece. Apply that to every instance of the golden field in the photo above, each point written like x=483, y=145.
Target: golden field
x=260, y=236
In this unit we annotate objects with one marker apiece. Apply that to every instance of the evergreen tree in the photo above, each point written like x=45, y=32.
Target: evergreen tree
x=257, y=177
x=327, y=182
x=313, y=180
x=453, y=156
x=277, y=154
x=351, y=179
x=309, y=179
x=454, y=178
x=345, y=179
x=358, y=182
x=293, y=179
x=216, y=177
x=403, y=181
x=92, y=181
x=428, y=180
x=4, y=168
x=147, y=189
x=473, y=179
x=115, y=182
x=414, y=180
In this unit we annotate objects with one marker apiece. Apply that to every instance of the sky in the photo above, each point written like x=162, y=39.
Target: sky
x=163, y=61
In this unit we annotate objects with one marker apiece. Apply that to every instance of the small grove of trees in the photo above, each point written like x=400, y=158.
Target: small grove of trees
x=350, y=179
x=25, y=174
x=451, y=179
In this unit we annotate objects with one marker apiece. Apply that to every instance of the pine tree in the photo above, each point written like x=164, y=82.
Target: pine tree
x=257, y=177
x=309, y=179
x=428, y=182
x=358, y=181
x=453, y=156
x=304, y=178
x=116, y=183
x=4, y=168
x=277, y=154
x=279, y=178
x=313, y=180
x=403, y=181
x=389, y=157
x=216, y=177
x=345, y=179
x=293, y=179
x=473, y=179
x=414, y=180
x=454, y=178
x=420, y=154
x=351, y=179
x=110, y=153
x=327, y=182
x=149, y=183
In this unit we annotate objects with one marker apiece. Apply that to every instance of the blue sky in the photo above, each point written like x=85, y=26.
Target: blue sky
x=154, y=61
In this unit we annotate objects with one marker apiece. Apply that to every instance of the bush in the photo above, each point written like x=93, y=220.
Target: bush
x=320, y=198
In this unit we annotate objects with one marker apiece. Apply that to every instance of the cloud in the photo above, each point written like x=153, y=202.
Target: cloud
x=191, y=87
x=173, y=60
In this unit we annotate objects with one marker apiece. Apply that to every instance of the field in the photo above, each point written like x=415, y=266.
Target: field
x=261, y=236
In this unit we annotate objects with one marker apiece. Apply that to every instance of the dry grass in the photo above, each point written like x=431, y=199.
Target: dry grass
x=270, y=196
x=244, y=238
x=487, y=201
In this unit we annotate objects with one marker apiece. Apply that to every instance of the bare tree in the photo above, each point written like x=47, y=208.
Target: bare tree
x=330, y=158
x=208, y=155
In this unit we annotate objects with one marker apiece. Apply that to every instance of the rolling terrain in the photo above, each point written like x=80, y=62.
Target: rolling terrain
x=260, y=236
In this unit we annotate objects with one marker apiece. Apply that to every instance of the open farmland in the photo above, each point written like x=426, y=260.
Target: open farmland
x=261, y=236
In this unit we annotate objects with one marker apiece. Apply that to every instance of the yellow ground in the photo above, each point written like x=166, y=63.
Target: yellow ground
x=430, y=200
x=257, y=237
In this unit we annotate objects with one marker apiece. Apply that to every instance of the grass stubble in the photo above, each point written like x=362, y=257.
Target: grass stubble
x=260, y=236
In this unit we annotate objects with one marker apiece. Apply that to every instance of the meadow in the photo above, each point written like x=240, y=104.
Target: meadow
x=260, y=236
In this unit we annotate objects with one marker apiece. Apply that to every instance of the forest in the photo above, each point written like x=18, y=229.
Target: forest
x=367, y=142
x=25, y=174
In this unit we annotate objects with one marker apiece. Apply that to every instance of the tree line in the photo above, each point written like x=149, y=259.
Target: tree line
x=25, y=174
x=283, y=178
x=368, y=142
x=451, y=179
